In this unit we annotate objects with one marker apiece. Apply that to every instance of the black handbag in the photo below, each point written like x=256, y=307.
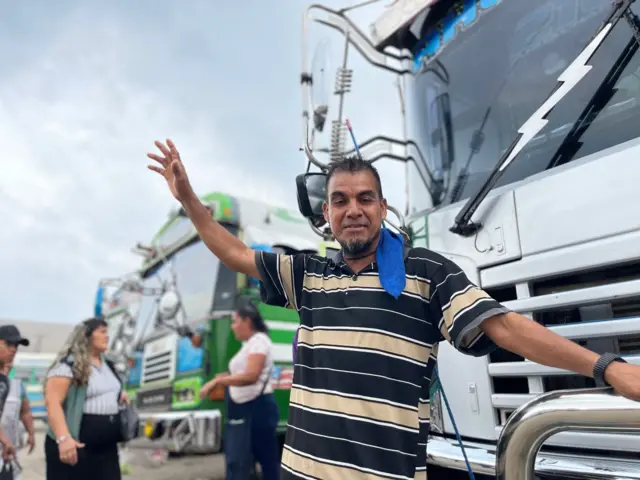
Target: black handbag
x=7, y=471
x=129, y=423
x=127, y=415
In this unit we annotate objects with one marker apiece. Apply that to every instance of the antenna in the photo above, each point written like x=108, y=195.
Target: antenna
x=353, y=138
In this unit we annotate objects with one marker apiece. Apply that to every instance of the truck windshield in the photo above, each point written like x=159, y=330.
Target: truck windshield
x=496, y=62
x=196, y=270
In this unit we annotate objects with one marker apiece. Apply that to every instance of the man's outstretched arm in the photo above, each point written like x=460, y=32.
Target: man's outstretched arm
x=228, y=248
x=529, y=339
x=475, y=323
x=231, y=251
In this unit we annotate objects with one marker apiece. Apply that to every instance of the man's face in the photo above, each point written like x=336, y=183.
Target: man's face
x=7, y=352
x=354, y=210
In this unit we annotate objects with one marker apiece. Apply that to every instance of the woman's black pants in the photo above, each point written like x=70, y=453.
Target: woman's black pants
x=250, y=437
x=98, y=460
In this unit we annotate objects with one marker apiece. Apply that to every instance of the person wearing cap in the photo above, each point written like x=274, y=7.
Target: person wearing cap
x=10, y=340
x=252, y=412
x=83, y=393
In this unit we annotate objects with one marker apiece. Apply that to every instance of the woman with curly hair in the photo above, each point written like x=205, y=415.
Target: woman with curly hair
x=83, y=394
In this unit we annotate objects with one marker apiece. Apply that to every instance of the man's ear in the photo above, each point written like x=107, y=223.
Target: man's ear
x=325, y=212
x=383, y=207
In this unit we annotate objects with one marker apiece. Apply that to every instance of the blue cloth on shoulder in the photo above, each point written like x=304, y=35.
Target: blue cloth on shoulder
x=390, y=259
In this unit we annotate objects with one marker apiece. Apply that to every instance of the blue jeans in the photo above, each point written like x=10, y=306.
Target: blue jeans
x=250, y=437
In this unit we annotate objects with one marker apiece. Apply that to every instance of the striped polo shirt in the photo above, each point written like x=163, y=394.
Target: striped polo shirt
x=359, y=406
x=103, y=390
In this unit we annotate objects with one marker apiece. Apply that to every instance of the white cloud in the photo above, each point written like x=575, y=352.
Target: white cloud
x=89, y=90
x=74, y=191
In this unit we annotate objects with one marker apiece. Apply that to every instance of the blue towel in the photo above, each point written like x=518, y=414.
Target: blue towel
x=390, y=259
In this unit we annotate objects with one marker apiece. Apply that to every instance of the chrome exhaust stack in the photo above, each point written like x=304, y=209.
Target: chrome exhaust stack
x=591, y=410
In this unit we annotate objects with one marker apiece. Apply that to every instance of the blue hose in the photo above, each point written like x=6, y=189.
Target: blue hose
x=455, y=427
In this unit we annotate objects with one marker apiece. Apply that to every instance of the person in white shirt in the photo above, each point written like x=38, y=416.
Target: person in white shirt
x=252, y=413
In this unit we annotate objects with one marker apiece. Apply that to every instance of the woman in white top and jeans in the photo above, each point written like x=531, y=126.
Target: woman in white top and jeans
x=252, y=413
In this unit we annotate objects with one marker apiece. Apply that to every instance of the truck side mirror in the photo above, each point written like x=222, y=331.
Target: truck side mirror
x=311, y=189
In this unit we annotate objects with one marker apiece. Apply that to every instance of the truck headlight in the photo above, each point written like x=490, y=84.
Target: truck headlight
x=435, y=397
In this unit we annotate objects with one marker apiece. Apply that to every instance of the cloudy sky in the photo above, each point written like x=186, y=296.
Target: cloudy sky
x=86, y=87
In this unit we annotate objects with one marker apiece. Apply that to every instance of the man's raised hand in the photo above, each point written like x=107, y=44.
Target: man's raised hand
x=172, y=169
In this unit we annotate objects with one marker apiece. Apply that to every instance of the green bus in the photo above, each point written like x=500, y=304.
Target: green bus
x=170, y=321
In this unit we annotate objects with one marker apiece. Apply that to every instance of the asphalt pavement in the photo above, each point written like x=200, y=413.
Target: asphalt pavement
x=142, y=465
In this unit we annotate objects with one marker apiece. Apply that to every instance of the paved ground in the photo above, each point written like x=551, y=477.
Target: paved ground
x=210, y=467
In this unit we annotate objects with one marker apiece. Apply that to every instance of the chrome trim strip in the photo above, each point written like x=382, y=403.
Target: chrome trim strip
x=570, y=298
x=527, y=368
x=447, y=454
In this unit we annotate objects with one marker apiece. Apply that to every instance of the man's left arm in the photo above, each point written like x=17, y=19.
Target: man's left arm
x=529, y=339
x=475, y=324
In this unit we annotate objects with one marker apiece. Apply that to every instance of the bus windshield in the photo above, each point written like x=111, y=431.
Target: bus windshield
x=196, y=271
x=198, y=281
x=495, y=62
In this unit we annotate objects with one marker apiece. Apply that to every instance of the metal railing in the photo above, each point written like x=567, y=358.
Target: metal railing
x=591, y=410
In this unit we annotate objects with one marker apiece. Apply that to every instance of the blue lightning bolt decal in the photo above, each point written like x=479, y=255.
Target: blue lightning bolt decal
x=569, y=79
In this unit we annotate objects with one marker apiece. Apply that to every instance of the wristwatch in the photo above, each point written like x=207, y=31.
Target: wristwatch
x=601, y=366
x=61, y=439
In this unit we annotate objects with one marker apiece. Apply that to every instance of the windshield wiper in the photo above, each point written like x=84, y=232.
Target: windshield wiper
x=600, y=99
x=569, y=78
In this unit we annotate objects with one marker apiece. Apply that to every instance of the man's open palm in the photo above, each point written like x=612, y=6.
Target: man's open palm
x=171, y=169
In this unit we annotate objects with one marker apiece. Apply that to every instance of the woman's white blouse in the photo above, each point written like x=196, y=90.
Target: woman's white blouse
x=258, y=343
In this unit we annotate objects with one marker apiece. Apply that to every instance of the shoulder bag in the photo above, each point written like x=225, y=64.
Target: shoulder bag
x=128, y=416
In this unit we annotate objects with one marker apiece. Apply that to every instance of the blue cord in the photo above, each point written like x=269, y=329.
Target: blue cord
x=455, y=427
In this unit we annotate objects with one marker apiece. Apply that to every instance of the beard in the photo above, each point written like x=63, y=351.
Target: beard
x=355, y=247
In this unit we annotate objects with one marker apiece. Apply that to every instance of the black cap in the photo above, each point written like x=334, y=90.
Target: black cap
x=11, y=335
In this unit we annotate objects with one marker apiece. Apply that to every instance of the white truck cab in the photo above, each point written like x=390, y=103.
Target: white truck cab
x=522, y=123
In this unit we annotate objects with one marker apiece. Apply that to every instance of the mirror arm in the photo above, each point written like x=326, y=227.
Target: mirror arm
x=404, y=231
x=340, y=22
x=326, y=235
x=309, y=154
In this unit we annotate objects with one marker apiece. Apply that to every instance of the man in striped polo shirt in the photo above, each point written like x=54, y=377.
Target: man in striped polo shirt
x=366, y=354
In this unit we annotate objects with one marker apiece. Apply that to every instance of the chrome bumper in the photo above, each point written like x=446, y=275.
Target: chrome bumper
x=195, y=431
x=447, y=454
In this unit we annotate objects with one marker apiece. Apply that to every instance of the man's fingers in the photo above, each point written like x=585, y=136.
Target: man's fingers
x=174, y=151
x=165, y=151
x=156, y=169
x=161, y=160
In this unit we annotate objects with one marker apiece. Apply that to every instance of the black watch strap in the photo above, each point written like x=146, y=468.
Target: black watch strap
x=601, y=366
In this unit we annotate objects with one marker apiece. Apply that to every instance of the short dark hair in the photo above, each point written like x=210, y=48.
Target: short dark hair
x=353, y=164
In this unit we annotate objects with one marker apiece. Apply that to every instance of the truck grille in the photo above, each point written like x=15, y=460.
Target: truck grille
x=599, y=309
x=159, y=360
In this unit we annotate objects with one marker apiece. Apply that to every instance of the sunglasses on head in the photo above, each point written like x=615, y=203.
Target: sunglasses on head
x=249, y=307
